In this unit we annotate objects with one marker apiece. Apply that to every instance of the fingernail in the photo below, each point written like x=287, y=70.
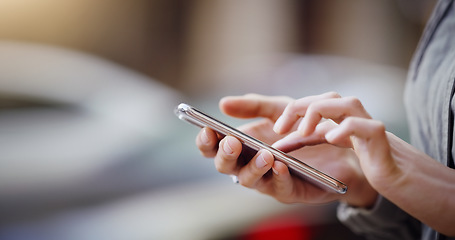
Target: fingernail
x=331, y=134
x=274, y=171
x=204, y=137
x=277, y=144
x=278, y=125
x=227, y=147
x=260, y=161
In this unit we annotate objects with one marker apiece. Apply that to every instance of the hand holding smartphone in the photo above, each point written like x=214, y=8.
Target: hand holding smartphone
x=196, y=117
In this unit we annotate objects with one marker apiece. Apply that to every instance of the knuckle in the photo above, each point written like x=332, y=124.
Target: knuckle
x=208, y=150
x=312, y=109
x=207, y=154
x=333, y=94
x=219, y=168
x=353, y=101
x=285, y=99
x=292, y=105
x=349, y=122
x=253, y=95
x=222, y=166
x=378, y=127
x=243, y=182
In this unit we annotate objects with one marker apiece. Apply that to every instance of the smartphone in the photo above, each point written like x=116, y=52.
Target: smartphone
x=196, y=117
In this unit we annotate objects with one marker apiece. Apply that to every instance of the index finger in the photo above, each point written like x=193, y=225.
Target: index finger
x=297, y=109
x=254, y=105
x=335, y=109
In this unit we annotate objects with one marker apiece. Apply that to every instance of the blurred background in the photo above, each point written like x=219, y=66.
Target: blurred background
x=89, y=145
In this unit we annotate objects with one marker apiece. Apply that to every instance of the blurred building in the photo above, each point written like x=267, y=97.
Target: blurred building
x=193, y=44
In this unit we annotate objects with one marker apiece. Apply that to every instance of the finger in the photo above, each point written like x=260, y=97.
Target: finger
x=283, y=183
x=207, y=142
x=255, y=170
x=334, y=109
x=295, y=140
x=289, y=189
x=254, y=105
x=227, y=156
x=368, y=135
x=296, y=110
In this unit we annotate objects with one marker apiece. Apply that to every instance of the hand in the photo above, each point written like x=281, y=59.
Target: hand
x=356, y=129
x=271, y=177
x=409, y=178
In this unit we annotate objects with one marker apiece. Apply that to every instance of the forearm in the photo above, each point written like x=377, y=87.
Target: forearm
x=407, y=177
x=422, y=187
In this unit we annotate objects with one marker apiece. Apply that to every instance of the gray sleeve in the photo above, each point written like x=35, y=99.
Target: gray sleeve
x=383, y=221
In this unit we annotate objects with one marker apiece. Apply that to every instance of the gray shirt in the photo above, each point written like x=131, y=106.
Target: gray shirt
x=430, y=109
